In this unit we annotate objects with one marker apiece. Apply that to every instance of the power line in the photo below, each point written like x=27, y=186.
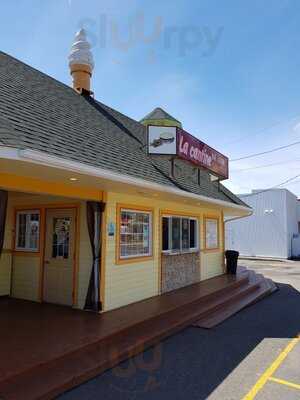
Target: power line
x=274, y=187
x=265, y=165
x=250, y=136
x=266, y=152
x=293, y=183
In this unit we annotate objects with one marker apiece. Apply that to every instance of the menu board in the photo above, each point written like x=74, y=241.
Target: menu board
x=211, y=233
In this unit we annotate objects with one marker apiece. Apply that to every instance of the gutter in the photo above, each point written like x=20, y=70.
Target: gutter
x=41, y=158
x=239, y=217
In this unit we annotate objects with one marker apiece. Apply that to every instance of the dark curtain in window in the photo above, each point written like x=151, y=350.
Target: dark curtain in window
x=3, y=212
x=94, y=221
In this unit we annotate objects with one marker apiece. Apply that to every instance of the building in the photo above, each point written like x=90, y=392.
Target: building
x=99, y=210
x=273, y=228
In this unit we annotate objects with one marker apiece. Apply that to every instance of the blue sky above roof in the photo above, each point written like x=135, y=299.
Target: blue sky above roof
x=229, y=73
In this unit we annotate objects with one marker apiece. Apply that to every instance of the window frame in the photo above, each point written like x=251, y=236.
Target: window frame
x=170, y=251
x=17, y=224
x=133, y=258
x=211, y=218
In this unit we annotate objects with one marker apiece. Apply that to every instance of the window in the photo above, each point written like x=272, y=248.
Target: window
x=179, y=234
x=61, y=237
x=211, y=233
x=27, y=230
x=135, y=233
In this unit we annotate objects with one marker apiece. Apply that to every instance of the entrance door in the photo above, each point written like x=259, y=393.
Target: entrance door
x=59, y=256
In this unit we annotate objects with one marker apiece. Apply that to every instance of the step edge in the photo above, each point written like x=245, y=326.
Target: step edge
x=238, y=283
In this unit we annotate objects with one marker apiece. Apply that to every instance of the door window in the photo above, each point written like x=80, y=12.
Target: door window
x=61, y=237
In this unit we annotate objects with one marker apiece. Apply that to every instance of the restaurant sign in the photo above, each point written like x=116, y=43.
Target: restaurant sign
x=199, y=153
x=176, y=141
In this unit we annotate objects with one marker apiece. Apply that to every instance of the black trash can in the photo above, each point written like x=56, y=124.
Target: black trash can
x=231, y=261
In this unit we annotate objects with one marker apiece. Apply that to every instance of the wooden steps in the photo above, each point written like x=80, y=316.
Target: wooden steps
x=198, y=304
x=261, y=287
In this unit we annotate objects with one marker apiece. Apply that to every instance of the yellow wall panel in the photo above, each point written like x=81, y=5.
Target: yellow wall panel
x=26, y=269
x=130, y=282
x=211, y=264
x=25, y=278
x=127, y=283
x=5, y=273
x=123, y=283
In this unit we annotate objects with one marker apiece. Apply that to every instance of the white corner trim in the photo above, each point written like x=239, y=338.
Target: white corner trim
x=41, y=158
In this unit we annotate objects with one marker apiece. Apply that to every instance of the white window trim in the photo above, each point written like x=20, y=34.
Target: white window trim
x=182, y=251
x=149, y=254
x=27, y=249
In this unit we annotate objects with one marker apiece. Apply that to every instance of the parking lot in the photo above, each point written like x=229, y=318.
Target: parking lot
x=281, y=379
x=287, y=272
x=253, y=355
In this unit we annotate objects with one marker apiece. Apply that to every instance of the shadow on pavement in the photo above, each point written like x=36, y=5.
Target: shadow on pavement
x=193, y=363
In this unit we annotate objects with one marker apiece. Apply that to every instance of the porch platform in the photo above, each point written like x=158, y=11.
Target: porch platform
x=47, y=349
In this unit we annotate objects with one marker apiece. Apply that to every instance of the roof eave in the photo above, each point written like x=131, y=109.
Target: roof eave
x=41, y=158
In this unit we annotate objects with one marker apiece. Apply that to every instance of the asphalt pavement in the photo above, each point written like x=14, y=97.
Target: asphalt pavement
x=224, y=363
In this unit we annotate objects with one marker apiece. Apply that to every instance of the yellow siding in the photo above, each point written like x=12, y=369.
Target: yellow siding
x=127, y=283
x=124, y=283
x=131, y=282
x=25, y=278
x=5, y=271
x=26, y=270
x=211, y=264
x=6, y=257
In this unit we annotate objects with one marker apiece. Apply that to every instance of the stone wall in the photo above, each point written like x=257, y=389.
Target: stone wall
x=180, y=270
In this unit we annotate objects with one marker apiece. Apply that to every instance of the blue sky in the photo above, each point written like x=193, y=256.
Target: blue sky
x=229, y=72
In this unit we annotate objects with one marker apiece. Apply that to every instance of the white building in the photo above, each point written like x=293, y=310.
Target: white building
x=273, y=229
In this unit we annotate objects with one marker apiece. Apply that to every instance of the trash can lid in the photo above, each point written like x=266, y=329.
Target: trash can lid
x=232, y=253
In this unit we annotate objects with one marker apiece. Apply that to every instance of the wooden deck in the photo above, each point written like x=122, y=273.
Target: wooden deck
x=47, y=349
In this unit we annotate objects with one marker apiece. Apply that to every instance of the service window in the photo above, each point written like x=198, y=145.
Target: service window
x=211, y=233
x=179, y=234
x=135, y=234
x=27, y=230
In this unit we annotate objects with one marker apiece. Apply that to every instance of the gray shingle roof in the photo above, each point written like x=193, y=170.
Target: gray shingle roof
x=37, y=112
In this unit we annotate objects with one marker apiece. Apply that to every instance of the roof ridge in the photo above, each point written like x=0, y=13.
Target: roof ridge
x=96, y=104
x=122, y=114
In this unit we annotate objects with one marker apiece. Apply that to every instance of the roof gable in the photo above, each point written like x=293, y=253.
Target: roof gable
x=158, y=114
